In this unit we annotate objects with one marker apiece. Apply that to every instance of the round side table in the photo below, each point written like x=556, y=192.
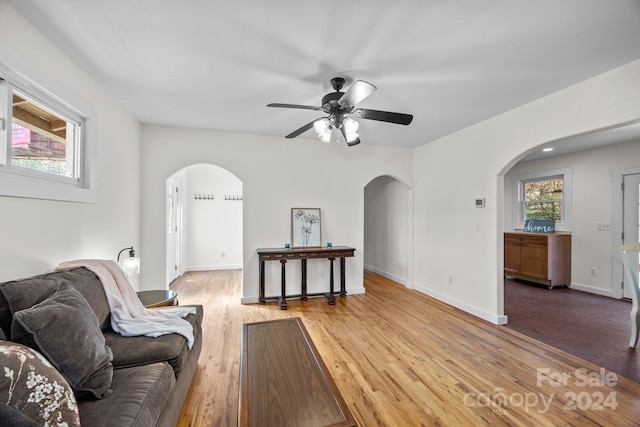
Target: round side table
x=158, y=298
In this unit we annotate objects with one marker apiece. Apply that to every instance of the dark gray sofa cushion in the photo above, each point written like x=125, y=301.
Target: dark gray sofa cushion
x=65, y=330
x=139, y=397
x=134, y=351
x=17, y=295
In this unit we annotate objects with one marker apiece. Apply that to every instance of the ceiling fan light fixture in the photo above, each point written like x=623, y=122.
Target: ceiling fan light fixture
x=352, y=136
x=335, y=135
x=323, y=129
x=350, y=129
x=350, y=125
x=337, y=127
x=325, y=137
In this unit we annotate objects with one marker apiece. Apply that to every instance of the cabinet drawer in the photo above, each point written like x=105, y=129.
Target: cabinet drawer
x=511, y=238
x=524, y=239
x=535, y=240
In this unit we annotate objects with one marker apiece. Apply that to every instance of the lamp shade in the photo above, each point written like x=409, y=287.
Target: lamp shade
x=131, y=265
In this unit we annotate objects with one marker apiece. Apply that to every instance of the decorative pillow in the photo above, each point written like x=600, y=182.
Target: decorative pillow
x=32, y=392
x=24, y=293
x=66, y=331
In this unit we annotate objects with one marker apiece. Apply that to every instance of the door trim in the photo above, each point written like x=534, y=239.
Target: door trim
x=618, y=227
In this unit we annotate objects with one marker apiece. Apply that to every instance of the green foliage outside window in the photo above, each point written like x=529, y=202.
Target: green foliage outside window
x=543, y=199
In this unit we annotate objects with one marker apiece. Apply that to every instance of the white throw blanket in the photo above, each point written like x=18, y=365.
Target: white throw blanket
x=128, y=316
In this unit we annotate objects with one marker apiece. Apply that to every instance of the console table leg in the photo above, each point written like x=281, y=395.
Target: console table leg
x=282, y=301
x=304, y=280
x=330, y=296
x=261, y=297
x=343, y=280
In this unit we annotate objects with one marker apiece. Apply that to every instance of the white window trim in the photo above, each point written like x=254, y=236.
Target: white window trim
x=566, y=225
x=15, y=183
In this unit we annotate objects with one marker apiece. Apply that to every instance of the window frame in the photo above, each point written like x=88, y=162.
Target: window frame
x=17, y=181
x=519, y=203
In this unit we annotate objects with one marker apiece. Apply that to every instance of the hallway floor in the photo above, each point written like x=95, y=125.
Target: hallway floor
x=592, y=327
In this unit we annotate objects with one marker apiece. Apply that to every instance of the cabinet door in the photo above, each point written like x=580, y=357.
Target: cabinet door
x=534, y=258
x=511, y=254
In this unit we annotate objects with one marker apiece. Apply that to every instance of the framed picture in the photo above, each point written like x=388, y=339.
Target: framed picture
x=305, y=227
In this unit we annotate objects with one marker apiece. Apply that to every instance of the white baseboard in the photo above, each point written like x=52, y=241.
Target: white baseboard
x=598, y=291
x=385, y=274
x=489, y=317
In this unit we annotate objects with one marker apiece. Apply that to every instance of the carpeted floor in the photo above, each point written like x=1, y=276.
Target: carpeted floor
x=592, y=327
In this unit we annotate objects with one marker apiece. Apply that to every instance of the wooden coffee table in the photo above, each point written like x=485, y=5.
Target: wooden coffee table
x=158, y=298
x=283, y=380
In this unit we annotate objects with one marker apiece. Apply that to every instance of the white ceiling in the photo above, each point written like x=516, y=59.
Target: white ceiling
x=215, y=64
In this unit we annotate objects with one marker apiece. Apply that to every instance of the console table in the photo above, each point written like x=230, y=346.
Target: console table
x=303, y=254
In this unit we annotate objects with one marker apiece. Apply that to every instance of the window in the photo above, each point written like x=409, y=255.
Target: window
x=42, y=140
x=544, y=196
x=44, y=150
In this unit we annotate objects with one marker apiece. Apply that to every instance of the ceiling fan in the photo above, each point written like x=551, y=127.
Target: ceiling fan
x=337, y=126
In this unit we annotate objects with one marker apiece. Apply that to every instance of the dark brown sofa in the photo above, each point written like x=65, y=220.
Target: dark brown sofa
x=149, y=377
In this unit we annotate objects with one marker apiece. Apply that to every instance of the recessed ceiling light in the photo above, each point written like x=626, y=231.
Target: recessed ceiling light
x=547, y=149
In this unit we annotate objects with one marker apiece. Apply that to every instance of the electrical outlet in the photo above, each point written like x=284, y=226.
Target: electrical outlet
x=603, y=227
x=321, y=274
x=593, y=271
x=450, y=280
x=224, y=254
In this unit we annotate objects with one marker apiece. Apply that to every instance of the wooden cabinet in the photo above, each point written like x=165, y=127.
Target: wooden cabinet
x=540, y=258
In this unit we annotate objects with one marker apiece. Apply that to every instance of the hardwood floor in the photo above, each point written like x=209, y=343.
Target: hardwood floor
x=401, y=358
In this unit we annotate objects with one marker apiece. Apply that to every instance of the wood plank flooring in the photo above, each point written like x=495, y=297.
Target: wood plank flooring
x=401, y=358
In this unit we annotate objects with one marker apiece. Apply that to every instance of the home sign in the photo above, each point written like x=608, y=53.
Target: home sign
x=538, y=226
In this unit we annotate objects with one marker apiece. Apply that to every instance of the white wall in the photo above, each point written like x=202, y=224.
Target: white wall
x=386, y=228
x=458, y=247
x=36, y=235
x=277, y=174
x=213, y=228
x=592, y=204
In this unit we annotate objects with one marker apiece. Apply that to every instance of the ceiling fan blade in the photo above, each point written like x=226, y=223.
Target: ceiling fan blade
x=302, y=107
x=358, y=91
x=383, y=116
x=302, y=130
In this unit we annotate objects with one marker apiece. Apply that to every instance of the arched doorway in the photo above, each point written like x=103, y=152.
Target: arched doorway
x=388, y=229
x=204, y=220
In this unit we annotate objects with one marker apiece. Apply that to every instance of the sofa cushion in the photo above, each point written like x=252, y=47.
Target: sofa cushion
x=134, y=351
x=65, y=330
x=32, y=391
x=17, y=295
x=139, y=397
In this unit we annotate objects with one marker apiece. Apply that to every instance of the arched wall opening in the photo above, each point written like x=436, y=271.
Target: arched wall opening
x=203, y=220
x=596, y=203
x=388, y=228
